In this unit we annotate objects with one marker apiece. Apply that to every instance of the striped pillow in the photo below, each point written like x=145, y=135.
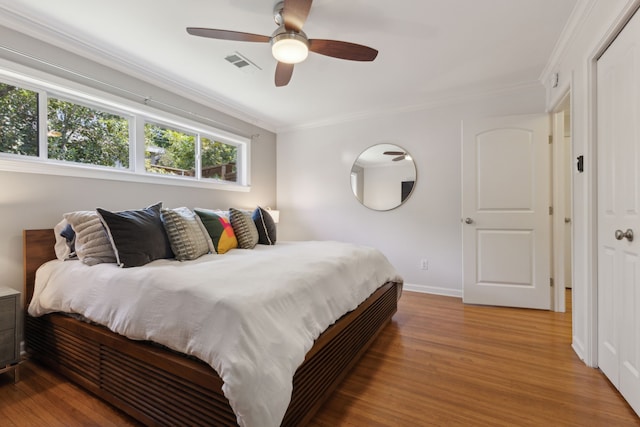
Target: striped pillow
x=92, y=242
x=244, y=228
x=185, y=232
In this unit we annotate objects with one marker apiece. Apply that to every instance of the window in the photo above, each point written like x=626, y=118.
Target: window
x=19, y=120
x=169, y=151
x=66, y=125
x=219, y=160
x=76, y=133
x=173, y=152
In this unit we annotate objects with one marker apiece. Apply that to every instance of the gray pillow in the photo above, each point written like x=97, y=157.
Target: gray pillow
x=244, y=228
x=185, y=232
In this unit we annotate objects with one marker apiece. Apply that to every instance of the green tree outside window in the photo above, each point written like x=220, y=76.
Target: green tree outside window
x=85, y=135
x=169, y=151
x=18, y=120
x=82, y=134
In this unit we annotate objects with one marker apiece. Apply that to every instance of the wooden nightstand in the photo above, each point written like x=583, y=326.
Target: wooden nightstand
x=9, y=340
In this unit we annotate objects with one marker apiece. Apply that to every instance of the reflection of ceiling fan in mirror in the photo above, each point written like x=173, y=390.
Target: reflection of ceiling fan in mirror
x=289, y=44
x=401, y=155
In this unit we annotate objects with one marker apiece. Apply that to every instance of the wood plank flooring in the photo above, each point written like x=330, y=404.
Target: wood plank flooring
x=439, y=363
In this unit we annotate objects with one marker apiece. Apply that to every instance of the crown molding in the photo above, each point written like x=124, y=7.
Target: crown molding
x=572, y=27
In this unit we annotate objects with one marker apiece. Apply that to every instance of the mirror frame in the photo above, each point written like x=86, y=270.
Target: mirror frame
x=375, y=159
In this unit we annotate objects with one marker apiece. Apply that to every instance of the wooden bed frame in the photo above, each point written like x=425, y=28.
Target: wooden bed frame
x=161, y=387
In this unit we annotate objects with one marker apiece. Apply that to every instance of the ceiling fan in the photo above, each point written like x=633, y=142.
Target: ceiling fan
x=289, y=44
x=401, y=155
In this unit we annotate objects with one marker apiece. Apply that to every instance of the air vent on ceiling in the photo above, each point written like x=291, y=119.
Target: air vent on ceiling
x=242, y=62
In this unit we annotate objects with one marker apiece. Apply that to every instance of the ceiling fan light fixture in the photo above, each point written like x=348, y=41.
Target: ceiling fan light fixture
x=289, y=44
x=289, y=47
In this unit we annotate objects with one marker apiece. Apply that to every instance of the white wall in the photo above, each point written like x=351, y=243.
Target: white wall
x=601, y=19
x=29, y=200
x=383, y=184
x=316, y=201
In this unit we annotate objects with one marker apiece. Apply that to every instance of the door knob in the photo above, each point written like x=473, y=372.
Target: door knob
x=567, y=220
x=468, y=221
x=619, y=234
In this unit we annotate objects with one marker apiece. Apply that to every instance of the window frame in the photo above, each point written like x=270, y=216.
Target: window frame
x=138, y=114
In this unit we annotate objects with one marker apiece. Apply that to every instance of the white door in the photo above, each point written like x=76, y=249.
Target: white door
x=505, y=211
x=618, y=159
x=559, y=191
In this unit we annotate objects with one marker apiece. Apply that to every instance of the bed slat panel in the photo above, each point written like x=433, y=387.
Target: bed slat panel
x=147, y=389
x=317, y=378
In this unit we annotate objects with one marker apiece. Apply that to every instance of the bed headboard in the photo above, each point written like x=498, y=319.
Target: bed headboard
x=37, y=248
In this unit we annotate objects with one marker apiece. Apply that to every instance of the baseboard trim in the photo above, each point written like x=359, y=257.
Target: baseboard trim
x=426, y=289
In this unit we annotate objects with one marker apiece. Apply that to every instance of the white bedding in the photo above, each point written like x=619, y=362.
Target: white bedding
x=251, y=314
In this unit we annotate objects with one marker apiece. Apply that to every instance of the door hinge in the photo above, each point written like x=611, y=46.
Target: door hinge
x=550, y=139
x=551, y=282
x=550, y=210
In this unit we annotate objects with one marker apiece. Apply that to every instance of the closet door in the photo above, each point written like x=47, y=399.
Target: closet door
x=618, y=97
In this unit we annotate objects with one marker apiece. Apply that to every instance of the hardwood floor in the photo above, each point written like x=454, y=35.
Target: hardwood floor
x=439, y=363
x=44, y=399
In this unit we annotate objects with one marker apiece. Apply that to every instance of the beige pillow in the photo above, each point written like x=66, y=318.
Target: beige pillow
x=92, y=242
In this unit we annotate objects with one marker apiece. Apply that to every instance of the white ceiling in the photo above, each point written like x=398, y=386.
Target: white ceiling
x=428, y=49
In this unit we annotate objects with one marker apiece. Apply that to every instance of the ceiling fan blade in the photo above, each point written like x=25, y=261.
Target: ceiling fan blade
x=283, y=74
x=343, y=50
x=397, y=159
x=394, y=153
x=227, y=35
x=294, y=13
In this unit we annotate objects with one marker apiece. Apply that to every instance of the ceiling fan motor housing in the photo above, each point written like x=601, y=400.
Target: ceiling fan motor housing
x=277, y=13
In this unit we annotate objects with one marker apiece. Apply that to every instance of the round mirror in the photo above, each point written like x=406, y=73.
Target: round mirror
x=383, y=177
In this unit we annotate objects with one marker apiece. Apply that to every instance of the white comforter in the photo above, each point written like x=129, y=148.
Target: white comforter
x=251, y=314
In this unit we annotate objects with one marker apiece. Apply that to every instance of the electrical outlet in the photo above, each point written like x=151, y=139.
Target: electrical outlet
x=424, y=264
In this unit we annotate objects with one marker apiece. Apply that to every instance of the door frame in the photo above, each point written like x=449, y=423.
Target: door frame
x=559, y=189
x=591, y=347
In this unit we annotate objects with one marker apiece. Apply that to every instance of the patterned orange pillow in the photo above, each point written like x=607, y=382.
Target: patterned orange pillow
x=219, y=228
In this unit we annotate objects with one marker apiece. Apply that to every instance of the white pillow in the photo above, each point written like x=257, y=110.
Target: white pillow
x=62, y=247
